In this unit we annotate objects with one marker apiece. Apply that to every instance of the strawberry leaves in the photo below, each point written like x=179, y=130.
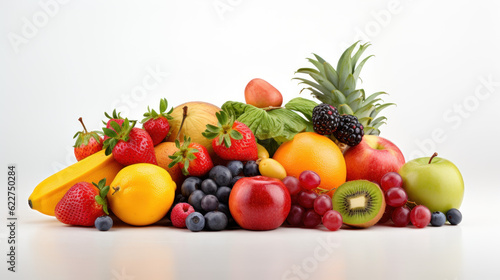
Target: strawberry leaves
x=184, y=155
x=119, y=132
x=224, y=130
x=101, y=198
x=83, y=137
x=152, y=114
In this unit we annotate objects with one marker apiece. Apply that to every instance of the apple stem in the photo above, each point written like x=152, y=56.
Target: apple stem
x=84, y=128
x=184, y=115
x=433, y=155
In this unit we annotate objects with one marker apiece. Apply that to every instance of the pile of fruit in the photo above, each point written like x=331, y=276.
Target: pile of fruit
x=256, y=165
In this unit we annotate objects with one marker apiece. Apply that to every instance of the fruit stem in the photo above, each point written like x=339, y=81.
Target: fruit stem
x=184, y=115
x=433, y=155
x=84, y=128
x=115, y=190
x=271, y=108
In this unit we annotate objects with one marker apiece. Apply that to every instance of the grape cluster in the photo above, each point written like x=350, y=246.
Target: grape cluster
x=401, y=215
x=310, y=209
x=209, y=196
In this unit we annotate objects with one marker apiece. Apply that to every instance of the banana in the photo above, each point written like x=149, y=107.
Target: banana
x=47, y=194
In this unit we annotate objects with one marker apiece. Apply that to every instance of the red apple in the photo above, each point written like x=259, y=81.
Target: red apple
x=261, y=94
x=259, y=203
x=372, y=158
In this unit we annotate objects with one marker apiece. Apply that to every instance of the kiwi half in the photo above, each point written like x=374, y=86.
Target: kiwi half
x=360, y=202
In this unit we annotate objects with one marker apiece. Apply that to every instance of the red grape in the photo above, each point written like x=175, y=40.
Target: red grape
x=401, y=216
x=391, y=180
x=306, y=199
x=311, y=219
x=332, y=220
x=322, y=204
x=309, y=180
x=396, y=197
x=295, y=215
x=420, y=216
x=387, y=215
x=292, y=184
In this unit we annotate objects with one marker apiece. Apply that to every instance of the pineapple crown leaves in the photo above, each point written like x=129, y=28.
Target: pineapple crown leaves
x=152, y=114
x=101, y=197
x=338, y=87
x=83, y=137
x=119, y=132
x=224, y=130
x=114, y=115
x=184, y=155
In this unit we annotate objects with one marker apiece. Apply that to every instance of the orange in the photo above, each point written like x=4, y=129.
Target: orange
x=141, y=194
x=162, y=151
x=311, y=151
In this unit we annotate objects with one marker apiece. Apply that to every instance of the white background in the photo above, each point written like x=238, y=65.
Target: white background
x=84, y=58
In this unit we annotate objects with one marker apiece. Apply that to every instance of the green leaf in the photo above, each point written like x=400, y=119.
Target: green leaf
x=357, y=71
x=349, y=85
x=281, y=124
x=99, y=200
x=104, y=191
x=227, y=141
x=302, y=105
x=163, y=105
x=345, y=109
x=317, y=64
x=320, y=60
x=331, y=74
x=339, y=96
x=374, y=95
x=358, y=54
x=344, y=66
x=314, y=85
x=109, y=132
x=236, y=135
x=115, y=126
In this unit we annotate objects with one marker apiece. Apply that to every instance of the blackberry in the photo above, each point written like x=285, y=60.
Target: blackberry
x=325, y=119
x=349, y=131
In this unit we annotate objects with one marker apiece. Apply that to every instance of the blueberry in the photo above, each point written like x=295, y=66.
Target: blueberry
x=195, y=200
x=195, y=221
x=454, y=216
x=209, y=202
x=234, y=180
x=251, y=169
x=216, y=220
x=190, y=185
x=221, y=175
x=103, y=223
x=438, y=219
x=236, y=167
x=224, y=209
x=223, y=194
x=208, y=186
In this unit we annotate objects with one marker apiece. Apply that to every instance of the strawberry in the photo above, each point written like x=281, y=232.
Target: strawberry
x=193, y=158
x=115, y=117
x=87, y=143
x=232, y=140
x=129, y=144
x=157, y=124
x=83, y=203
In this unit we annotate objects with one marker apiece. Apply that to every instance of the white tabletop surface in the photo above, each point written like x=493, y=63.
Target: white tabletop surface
x=50, y=250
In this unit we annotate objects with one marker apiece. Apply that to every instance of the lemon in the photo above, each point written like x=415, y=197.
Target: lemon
x=141, y=194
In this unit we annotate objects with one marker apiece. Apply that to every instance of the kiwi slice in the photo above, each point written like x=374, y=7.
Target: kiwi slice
x=361, y=203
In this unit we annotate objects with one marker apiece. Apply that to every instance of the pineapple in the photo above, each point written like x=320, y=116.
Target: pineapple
x=338, y=88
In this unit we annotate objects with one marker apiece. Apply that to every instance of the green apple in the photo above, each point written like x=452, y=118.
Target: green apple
x=434, y=182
